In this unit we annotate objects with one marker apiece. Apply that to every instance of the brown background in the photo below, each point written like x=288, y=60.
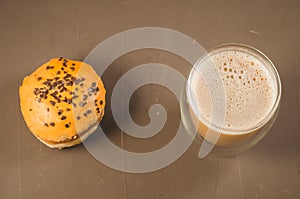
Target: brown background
x=34, y=31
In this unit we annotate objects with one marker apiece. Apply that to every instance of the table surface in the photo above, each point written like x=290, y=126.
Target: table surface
x=32, y=32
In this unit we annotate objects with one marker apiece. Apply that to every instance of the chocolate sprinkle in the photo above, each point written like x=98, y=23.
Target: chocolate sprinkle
x=69, y=101
x=78, y=81
x=67, y=125
x=63, y=117
x=52, y=123
x=59, y=112
x=88, y=111
x=67, y=76
x=46, y=124
x=84, y=97
x=36, y=91
x=63, y=89
x=70, y=83
x=54, y=94
x=40, y=78
x=49, y=67
x=52, y=102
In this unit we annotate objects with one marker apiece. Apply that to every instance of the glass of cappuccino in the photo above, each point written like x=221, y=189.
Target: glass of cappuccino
x=231, y=99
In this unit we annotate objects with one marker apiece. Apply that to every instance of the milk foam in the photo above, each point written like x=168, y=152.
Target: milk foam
x=249, y=88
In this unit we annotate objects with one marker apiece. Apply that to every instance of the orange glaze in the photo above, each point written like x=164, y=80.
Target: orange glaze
x=57, y=112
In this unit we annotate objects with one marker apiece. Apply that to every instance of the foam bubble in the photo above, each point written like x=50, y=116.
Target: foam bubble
x=250, y=88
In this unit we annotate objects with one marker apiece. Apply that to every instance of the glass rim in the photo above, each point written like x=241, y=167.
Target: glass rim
x=272, y=69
